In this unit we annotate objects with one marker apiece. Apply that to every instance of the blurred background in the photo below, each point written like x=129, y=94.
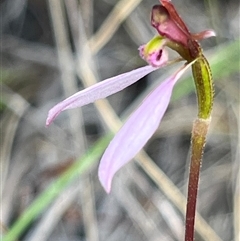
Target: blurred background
x=49, y=187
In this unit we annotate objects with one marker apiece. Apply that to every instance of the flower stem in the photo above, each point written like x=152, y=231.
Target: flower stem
x=199, y=133
x=205, y=92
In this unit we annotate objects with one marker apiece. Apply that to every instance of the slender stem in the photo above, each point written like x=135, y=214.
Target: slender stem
x=192, y=198
x=199, y=132
x=205, y=91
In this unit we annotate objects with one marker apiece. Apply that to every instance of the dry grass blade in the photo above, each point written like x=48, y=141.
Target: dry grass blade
x=9, y=125
x=236, y=198
x=89, y=210
x=88, y=196
x=236, y=210
x=120, y=12
x=87, y=15
x=17, y=108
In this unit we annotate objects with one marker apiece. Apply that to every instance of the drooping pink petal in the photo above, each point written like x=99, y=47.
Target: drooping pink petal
x=137, y=130
x=99, y=91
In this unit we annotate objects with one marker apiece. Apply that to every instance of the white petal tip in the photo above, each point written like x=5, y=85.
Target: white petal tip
x=210, y=33
x=107, y=187
x=52, y=114
x=48, y=122
x=105, y=181
x=204, y=34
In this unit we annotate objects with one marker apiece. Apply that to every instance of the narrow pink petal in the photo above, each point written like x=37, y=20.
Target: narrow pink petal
x=137, y=130
x=204, y=34
x=99, y=91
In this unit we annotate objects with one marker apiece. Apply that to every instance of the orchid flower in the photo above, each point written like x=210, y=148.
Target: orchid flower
x=141, y=125
x=138, y=129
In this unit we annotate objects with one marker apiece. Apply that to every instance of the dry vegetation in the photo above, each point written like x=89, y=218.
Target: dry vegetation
x=49, y=50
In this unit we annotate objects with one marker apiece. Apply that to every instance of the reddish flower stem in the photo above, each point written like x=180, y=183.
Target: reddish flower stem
x=192, y=199
x=199, y=133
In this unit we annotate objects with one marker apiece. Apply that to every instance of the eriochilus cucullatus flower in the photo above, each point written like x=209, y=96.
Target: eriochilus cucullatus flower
x=172, y=33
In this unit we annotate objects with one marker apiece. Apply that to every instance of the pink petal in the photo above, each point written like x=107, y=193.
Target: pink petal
x=137, y=130
x=99, y=91
x=203, y=35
